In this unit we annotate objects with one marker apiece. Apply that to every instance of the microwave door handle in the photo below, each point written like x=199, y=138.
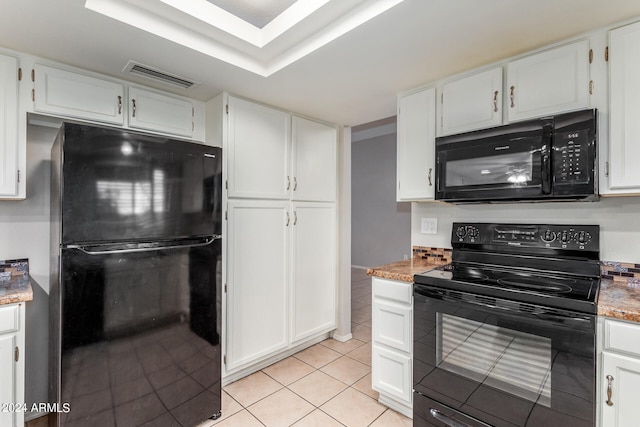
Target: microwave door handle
x=545, y=152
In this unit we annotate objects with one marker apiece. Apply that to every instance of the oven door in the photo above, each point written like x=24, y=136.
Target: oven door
x=481, y=361
x=504, y=163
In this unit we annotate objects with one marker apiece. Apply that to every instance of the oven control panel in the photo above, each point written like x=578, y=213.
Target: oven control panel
x=558, y=237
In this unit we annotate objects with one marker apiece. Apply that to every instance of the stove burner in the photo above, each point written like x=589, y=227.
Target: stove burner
x=536, y=284
x=469, y=273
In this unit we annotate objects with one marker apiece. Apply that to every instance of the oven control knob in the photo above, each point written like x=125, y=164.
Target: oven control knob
x=565, y=236
x=548, y=236
x=461, y=232
x=473, y=232
x=583, y=237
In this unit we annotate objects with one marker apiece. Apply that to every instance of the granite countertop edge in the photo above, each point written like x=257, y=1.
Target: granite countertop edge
x=16, y=291
x=617, y=299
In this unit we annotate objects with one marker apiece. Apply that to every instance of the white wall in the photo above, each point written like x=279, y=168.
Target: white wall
x=618, y=218
x=24, y=233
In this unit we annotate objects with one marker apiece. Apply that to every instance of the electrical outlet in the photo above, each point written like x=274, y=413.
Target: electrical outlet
x=429, y=226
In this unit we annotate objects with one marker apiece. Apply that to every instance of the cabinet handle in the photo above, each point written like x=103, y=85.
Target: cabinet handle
x=133, y=101
x=429, y=177
x=119, y=104
x=495, y=101
x=295, y=217
x=17, y=354
x=295, y=183
x=511, y=95
x=287, y=224
x=288, y=182
x=609, y=391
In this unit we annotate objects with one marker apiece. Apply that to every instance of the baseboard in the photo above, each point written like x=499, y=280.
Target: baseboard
x=342, y=338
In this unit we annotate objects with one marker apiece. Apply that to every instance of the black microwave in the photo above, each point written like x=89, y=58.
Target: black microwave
x=550, y=158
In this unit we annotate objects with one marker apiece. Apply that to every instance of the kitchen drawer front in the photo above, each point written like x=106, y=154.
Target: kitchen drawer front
x=9, y=319
x=392, y=289
x=622, y=336
x=392, y=325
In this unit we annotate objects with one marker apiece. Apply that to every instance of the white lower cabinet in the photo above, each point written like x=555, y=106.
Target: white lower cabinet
x=620, y=374
x=313, y=290
x=392, y=346
x=257, y=285
x=281, y=277
x=12, y=365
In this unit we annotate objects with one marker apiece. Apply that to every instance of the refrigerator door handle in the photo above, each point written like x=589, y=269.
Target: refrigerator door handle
x=84, y=249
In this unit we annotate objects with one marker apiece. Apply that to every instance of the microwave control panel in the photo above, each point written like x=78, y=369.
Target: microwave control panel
x=571, y=162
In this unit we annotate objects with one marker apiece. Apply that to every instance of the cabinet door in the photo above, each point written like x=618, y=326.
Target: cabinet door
x=314, y=165
x=624, y=373
x=71, y=94
x=8, y=126
x=392, y=324
x=416, y=146
x=313, y=285
x=258, y=151
x=473, y=102
x=549, y=82
x=257, y=308
x=392, y=374
x=624, y=110
x=8, y=379
x=160, y=112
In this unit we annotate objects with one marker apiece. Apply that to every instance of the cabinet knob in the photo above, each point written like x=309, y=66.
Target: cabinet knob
x=609, y=391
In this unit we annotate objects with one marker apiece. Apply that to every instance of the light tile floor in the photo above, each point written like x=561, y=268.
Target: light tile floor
x=328, y=384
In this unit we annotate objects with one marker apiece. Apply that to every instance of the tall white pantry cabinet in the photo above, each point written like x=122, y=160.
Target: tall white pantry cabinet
x=281, y=230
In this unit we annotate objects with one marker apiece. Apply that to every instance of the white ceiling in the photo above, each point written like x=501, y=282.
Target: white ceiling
x=352, y=80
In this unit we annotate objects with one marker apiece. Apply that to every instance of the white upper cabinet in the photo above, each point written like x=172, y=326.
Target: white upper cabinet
x=548, y=82
x=472, y=102
x=160, y=112
x=416, y=135
x=8, y=126
x=624, y=109
x=258, y=151
x=314, y=165
x=70, y=94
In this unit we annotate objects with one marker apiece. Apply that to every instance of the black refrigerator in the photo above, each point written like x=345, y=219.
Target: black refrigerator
x=135, y=279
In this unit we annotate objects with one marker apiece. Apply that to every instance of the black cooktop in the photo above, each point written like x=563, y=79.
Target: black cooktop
x=536, y=287
x=554, y=266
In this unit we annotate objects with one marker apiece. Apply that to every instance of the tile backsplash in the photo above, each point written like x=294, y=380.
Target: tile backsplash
x=621, y=272
x=437, y=256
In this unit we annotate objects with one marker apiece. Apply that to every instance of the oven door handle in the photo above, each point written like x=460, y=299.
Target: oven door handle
x=446, y=419
x=576, y=320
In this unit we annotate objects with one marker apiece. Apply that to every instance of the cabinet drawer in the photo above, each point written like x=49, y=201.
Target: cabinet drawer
x=622, y=336
x=392, y=325
x=392, y=289
x=9, y=319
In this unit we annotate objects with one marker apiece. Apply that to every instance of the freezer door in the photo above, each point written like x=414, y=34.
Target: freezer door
x=123, y=186
x=139, y=335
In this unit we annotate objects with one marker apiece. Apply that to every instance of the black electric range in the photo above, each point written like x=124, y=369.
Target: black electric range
x=504, y=336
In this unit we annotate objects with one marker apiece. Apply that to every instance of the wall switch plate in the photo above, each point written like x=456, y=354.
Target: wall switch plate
x=429, y=226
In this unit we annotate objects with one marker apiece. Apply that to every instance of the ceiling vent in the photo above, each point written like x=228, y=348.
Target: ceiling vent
x=157, y=75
